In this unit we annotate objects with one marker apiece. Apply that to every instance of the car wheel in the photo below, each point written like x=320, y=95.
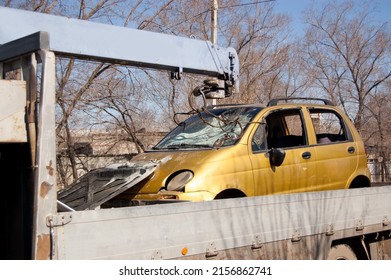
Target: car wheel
x=341, y=252
x=231, y=193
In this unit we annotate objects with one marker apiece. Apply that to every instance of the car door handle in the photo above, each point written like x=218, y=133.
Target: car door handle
x=351, y=150
x=306, y=155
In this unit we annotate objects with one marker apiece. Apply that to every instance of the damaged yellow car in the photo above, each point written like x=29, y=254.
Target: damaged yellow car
x=233, y=151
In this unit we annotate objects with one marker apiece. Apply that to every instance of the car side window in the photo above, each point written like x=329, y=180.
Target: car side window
x=329, y=126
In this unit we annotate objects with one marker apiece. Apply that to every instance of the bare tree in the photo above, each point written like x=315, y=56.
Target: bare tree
x=347, y=54
x=255, y=30
x=377, y=131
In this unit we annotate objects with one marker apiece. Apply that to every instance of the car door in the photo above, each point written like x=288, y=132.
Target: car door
x=282, y=129
x=336, y=150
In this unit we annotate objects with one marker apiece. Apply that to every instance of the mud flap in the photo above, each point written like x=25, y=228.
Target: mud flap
x=100, y=185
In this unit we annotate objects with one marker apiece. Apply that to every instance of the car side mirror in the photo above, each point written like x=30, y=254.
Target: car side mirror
x=276, y=156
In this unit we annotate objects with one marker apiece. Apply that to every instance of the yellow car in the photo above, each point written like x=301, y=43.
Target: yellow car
x=249, y=150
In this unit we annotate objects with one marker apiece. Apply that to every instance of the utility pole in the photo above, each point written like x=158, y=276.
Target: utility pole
x=214, y=22
x=214, y=30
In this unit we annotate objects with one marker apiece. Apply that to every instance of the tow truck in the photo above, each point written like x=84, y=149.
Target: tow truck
x=340, y=224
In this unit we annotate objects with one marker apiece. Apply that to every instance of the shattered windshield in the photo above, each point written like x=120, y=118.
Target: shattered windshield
x=215, y=128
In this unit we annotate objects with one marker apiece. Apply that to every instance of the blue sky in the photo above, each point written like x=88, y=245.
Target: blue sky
x=294, y=9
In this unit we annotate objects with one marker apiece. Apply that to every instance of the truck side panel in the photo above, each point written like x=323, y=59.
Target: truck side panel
x=299, y=226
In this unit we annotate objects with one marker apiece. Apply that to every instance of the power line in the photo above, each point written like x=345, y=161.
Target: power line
x=220, y=8
x=247, y=4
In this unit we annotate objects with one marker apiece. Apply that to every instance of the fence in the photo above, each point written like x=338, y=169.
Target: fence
x=380, y=171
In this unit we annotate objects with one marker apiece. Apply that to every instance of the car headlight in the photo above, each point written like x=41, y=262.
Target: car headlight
x=177, y=181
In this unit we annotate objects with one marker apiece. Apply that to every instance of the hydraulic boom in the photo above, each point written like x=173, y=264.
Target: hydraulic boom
x=126, y=46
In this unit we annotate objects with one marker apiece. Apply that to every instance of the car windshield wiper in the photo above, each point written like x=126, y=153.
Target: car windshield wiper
x=187, y=145
x=170, y=147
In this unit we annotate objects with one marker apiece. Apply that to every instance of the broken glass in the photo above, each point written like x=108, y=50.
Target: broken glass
x=210, y=129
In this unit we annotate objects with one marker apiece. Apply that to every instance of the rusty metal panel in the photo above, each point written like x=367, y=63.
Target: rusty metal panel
x=12, y=112
x=45, y=190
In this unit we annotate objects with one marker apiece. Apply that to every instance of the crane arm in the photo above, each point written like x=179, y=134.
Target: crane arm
x=113, y=44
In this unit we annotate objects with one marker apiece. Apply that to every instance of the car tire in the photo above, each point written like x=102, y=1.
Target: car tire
x=341, y=252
